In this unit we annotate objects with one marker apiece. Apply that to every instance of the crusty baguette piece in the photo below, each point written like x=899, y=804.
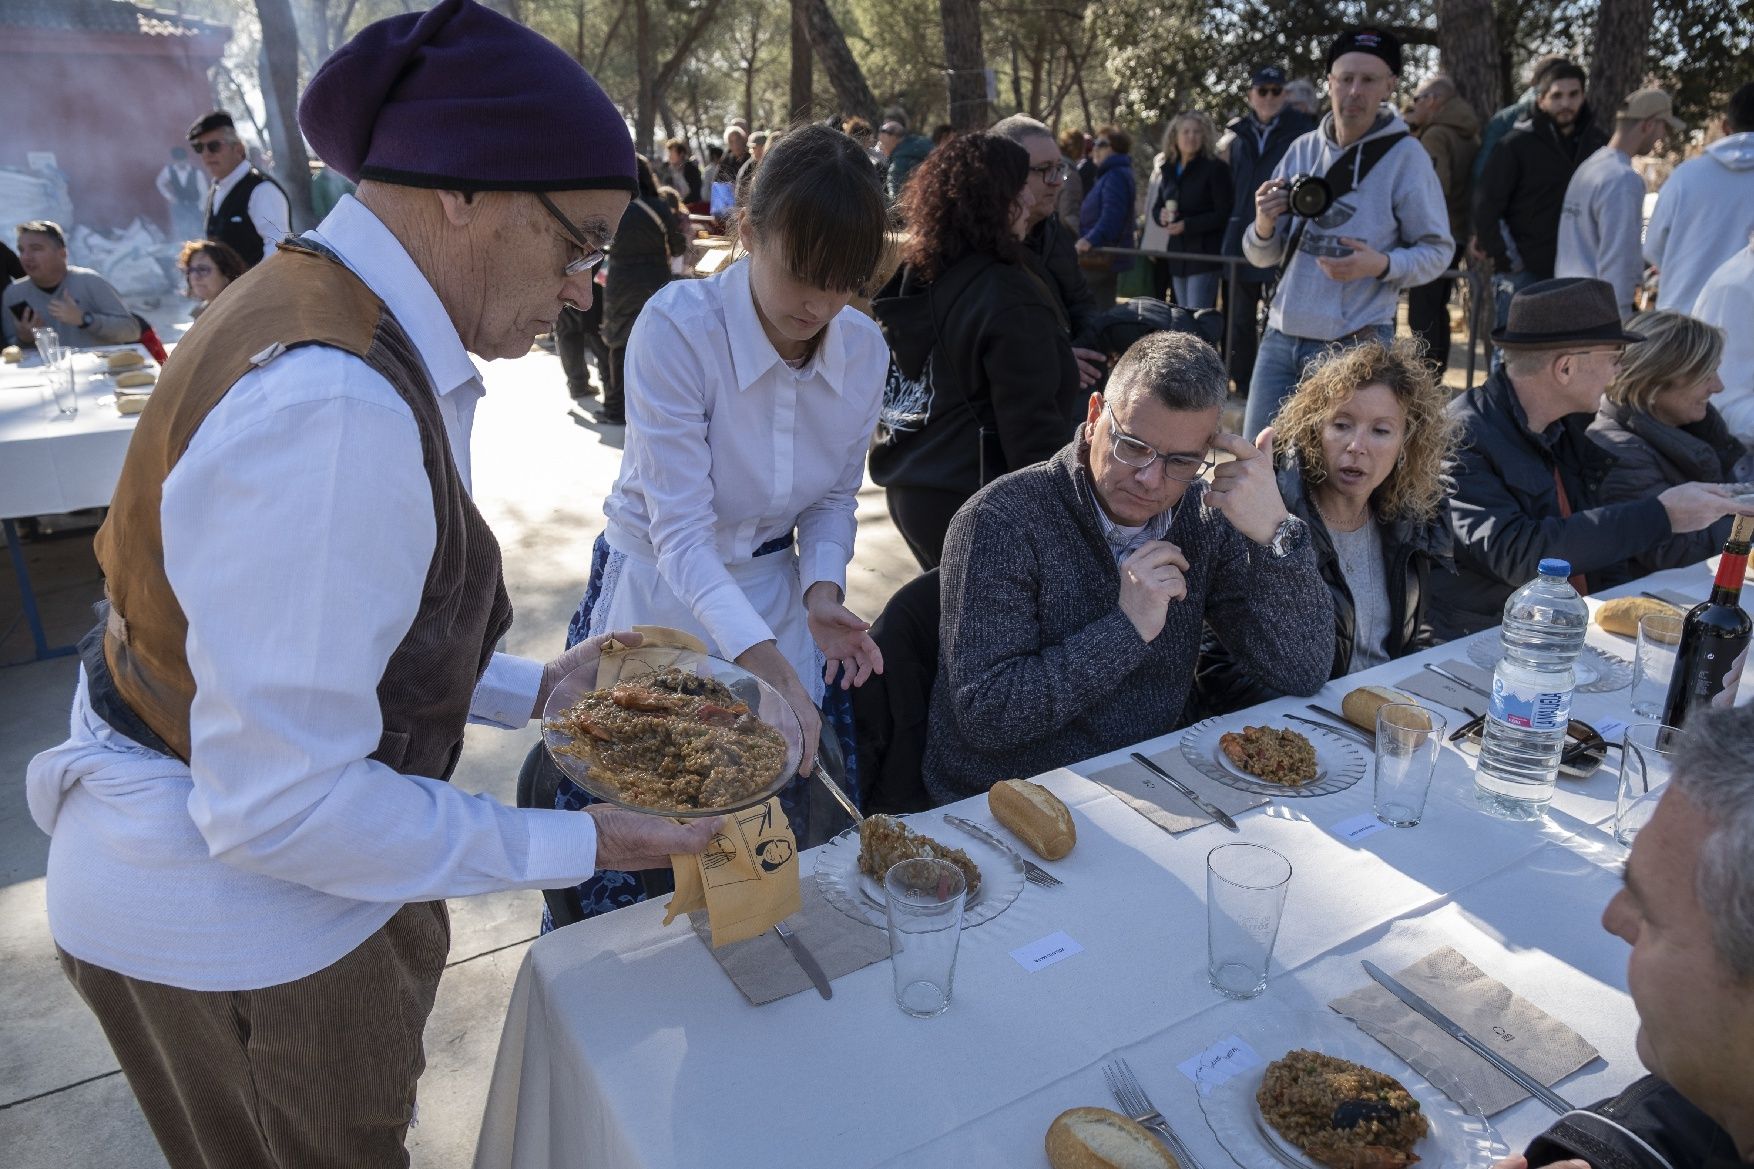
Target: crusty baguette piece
x=11, y=355
x=1360, y=705
x=125, y=359
x=135, y=377
x=1095, y=1138
x=1035, y=815
x=1621, y=615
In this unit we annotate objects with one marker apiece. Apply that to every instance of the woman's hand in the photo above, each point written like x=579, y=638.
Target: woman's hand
x=1082, y=246
x=1177, y=227
x=585, y=654
x=765, y=661
x=842, y=637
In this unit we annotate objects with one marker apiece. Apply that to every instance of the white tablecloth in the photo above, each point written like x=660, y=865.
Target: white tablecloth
x=50, y=464
x=626, y=1046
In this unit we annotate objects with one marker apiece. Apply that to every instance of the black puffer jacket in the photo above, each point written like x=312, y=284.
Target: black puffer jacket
x=1524, y=186
x=1652, y=457
x=1411, y=551
x=1505, y=510
x=1204, y=201
x=996, y=341
x=1250, y=166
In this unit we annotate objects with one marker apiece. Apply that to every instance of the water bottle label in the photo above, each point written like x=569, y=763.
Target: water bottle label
x=1534, y=710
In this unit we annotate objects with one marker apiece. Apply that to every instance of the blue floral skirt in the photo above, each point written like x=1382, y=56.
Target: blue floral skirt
x=611, y=889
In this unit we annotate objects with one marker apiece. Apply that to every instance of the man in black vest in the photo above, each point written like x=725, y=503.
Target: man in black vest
x=245, y=208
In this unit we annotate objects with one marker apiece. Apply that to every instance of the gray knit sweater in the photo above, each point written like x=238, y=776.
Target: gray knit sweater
x=1038, y=667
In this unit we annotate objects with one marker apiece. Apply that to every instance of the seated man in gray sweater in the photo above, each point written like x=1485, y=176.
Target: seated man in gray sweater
x=1074, y=591
x=77, y=303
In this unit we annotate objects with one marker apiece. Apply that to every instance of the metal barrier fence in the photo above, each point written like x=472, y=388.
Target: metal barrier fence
x=1477, y=303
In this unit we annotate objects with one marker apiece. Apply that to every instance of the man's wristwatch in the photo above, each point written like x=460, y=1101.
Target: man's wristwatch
x=1288, y=537
x=85, y=321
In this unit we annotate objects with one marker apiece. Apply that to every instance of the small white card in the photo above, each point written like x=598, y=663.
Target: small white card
x=1355, y=828
x=1612, y=730
x=1054, y=948
x=1228, y=1057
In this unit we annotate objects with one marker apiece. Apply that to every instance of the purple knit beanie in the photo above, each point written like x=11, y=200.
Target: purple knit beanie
x=459, y=97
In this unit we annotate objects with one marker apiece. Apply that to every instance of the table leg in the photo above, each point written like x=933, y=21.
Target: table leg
x=28, y=597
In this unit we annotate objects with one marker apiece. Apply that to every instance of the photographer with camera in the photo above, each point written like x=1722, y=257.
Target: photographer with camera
x=1352, y=214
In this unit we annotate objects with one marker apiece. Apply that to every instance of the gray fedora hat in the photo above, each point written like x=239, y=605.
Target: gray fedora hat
x=1573, y=310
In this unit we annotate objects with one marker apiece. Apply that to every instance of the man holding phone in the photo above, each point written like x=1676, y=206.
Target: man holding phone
x=77, y=303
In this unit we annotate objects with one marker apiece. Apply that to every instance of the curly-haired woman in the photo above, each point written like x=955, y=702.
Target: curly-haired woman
x=982, y=378
x=1365, y=442
x=1658, y=420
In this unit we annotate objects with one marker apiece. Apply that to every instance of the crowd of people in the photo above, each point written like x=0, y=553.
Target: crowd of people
x=1103, y=560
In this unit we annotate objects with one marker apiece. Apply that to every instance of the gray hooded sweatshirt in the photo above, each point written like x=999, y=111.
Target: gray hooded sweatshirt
x=1599, y=228
x=1703, y=216
x=1398, y=209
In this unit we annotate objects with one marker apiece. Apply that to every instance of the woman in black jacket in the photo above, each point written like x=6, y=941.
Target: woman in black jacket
x=1658, y=422
x=639, y=265
x=1364, y=441
x=981, y=377
x=1187, y=207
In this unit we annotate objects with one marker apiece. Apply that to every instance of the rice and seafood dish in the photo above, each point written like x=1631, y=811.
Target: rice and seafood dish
x=672, y=740
x=1343, y=1114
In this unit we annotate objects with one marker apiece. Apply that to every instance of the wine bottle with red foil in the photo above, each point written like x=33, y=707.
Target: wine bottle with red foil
x=1714, y=637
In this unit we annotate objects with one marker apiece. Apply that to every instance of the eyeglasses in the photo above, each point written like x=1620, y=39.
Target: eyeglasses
x=593, y=255
x=1136, y=453
x=1269, y=90
x=1052, y=172
x=211, y=147
x=1614, y=356
x=200, y=269
x=1102, y=141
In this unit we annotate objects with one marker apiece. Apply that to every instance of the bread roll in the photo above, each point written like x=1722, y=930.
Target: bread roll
x=127, y=404
x=1095, y=1138
x=125, y=359
x=1035, y=815
x=11, y=355
x=135, y=377
x=1360, y=706
x=1621, y=615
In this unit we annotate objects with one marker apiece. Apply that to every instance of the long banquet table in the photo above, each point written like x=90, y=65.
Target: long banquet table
x=626, y=1045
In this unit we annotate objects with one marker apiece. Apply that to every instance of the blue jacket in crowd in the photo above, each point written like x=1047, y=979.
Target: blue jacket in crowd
x=1106, y=219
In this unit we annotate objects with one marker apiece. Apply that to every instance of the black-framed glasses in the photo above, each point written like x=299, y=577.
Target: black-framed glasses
x=1052, y=172
x=1140, y=455
x=1269, y=90
x=212, y=147
x=593, y=255
x=1102, y=141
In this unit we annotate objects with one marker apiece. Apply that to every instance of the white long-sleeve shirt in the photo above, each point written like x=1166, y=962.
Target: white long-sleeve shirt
x=728, y=447
x=270, y=213
x=298, y=529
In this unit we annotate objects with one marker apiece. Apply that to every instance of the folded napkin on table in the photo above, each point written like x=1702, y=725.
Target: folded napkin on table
x=1161, y=804
x=764, y=969
x=1482, y=1006
x=1446, y=693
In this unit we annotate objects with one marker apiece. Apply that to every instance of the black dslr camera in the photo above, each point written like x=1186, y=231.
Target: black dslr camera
x=1309, y=195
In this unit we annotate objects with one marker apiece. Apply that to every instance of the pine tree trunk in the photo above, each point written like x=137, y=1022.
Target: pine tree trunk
x=280, y=78
x=1467, y=39
x=1622, y=45
x=844, y=74
x=799, y=96
x=964, y=64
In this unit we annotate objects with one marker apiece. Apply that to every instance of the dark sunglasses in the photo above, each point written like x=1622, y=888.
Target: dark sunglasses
x=213, y=147
x=1102, y=141
x=1269, y=90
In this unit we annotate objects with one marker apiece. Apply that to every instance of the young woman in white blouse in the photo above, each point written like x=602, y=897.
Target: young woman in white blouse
x=751, y=397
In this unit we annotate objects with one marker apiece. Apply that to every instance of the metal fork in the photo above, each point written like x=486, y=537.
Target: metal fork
x=1124, y=1087
x=1036, y=875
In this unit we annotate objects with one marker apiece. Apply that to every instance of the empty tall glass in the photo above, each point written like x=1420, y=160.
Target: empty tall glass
x=924, y=898
x=1647, y=762
x=1408, y=738
x=64, y=385
x=1245, y=896
x=1653, y=663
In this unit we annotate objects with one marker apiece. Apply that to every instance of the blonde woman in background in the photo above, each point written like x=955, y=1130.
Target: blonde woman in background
x=1187, y=207
x=1658, y=420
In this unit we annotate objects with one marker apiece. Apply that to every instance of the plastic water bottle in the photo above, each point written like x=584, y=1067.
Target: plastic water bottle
x=1526, y=720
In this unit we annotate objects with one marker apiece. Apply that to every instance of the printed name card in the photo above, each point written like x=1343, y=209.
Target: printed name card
x=1228, y=1057
x=1056, y=947
x=1355, y=828
x=1612, y=730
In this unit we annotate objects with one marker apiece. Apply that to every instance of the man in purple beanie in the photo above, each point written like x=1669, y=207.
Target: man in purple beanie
x=251, y=836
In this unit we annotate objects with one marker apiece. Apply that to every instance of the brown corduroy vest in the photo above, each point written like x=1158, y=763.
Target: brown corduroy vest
x=299, y=297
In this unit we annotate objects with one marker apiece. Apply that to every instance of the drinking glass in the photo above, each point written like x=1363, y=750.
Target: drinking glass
x=1408, y=738
x=1245, y=897
x=924, y=898
x=1653, y=664
x=64, y=385
x=1647, y=762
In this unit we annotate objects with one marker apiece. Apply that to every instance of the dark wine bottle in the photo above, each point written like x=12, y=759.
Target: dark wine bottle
x=1714, y=637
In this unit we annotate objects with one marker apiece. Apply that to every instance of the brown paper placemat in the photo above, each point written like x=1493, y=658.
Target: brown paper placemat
x=1161, y=804
x=764, y=969
x=1482, y=1006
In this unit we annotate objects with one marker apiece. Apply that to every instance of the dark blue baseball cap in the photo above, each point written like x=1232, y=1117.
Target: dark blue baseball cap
x=1268, y=75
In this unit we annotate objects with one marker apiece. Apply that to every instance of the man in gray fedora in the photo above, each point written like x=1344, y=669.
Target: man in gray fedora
x=1528, y=479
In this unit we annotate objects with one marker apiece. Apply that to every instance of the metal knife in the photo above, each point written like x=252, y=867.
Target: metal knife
x=839, y=793
x=1454, y=1030
x=1463, y=683
x=981, y=832
x=805, y=959
x=1205, y=805
x=1344, y=726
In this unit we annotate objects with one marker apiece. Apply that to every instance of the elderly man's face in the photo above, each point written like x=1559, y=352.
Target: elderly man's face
x=501, y=268
x=219, y=153
x=737, y=142
x=1266, y=100
x=1047, y=174
x=43, y=258
x=1133, y=495
x=1696, y=1019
